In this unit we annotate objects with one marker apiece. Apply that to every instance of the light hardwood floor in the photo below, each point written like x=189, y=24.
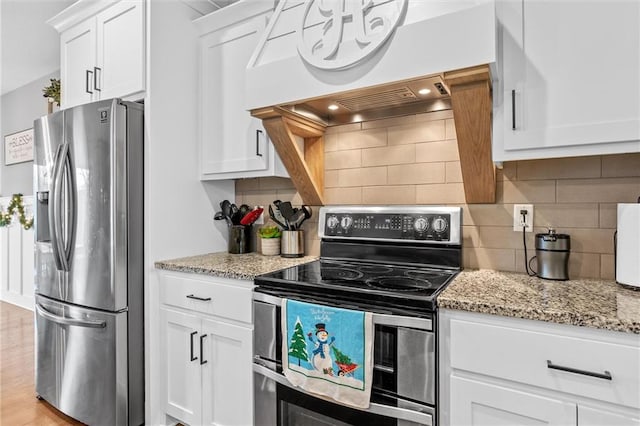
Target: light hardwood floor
x=18, y=402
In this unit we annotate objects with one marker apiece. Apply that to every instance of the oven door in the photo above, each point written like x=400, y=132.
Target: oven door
x=277, y=402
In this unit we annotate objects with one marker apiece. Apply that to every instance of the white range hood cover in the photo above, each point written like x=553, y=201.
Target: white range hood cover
x=316, y=48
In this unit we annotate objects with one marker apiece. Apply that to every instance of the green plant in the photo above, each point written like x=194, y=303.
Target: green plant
x=16, y=205
x=53, y=91
x=269, y=232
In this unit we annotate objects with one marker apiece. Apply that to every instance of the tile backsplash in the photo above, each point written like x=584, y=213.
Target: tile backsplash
x=414, y=160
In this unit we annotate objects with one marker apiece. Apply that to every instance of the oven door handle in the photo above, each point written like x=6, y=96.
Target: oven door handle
x=378, y=319
x=421, y=418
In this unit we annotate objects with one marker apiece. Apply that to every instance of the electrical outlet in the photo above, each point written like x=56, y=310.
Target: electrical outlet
x=260, y=219
x=519, y=221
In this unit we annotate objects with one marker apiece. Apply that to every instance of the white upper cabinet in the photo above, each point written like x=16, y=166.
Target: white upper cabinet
x=102, y=51
x=570, y=79
x=233, y=144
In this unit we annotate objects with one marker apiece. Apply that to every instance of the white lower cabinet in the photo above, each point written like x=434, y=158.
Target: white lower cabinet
x=484, y=404
x=505, y=371
x=206, y=360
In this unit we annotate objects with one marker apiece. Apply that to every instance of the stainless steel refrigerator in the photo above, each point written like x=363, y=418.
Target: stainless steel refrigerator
x=88, y=178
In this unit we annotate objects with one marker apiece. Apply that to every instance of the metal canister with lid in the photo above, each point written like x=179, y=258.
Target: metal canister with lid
x=552, y=254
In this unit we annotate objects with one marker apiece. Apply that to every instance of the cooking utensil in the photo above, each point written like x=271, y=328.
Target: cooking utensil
x=296, y=220
x=251, y=217
x=225, y=205
x=307, y=211
x=287, y=212
x=277, y=218
x=244, y=209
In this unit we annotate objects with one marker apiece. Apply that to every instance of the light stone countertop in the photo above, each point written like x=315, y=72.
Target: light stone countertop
x=236, y=266
x=583, y=302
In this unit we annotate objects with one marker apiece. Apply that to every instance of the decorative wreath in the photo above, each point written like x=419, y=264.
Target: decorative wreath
x=15, y=206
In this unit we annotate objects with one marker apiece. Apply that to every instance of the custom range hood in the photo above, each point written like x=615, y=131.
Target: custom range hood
x=372, y=59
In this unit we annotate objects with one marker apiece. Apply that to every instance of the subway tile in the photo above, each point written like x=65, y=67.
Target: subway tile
x=435, y=115
x=343, y=159
x=390, y=122
x=607, y=267
x=427, y=131
x=331, y=178
x=312, y=247
x=559, y=168
x=581, y=265
x=437, y=151
x=453, y=171
x=440, y=193
x=390, y=194
x=508, y=171
x=362, y=139
x=368, y=176
x=449, y=129
x=608, y=215
x=343, y=195
x=484, y=258
x=267, y=183
x=351, y=127
x=566, y=215
x=290, y=195
x=330, y=142
x=589, y=240
x=470, y=237
x=532, y=191
x=402, y=154
x=488, y=214
x=606, y=190
x=621, y=165
x=416, y=173
x=504, y=237
x=259, y=198
x=520, y=266
x=250, y=184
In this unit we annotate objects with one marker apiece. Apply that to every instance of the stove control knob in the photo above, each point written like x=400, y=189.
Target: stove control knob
x=346, y=222
x=332, y=222
x=439, y=225
x=420, y=224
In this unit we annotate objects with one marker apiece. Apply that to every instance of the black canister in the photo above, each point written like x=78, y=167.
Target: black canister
x=552, y=255
x=239, y=238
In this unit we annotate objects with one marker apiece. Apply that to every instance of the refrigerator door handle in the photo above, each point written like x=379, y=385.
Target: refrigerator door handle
x=54, y=201
x=70, y=214
x=68, y=321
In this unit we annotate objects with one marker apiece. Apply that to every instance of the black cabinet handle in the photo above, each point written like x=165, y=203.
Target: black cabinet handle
x=202, y=360
x=605, y=376
x=87, y=79
x=96, y=79
x=193, y=358
x=203, y=299
x=258, y=143
x=513, y=109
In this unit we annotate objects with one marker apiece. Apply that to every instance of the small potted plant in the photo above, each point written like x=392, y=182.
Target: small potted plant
x=269, y=240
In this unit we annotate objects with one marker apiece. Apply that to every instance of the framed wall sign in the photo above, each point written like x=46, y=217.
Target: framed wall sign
x=18, y=147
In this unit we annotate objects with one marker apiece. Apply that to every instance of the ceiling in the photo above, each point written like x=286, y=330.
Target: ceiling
x=30, y=48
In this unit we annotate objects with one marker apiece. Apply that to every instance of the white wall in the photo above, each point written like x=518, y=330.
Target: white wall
x=179, y=208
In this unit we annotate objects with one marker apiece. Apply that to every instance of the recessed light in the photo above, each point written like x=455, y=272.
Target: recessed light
x=333, y=107
x=424, y=91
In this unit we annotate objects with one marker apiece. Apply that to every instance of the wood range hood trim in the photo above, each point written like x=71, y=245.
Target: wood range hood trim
x=471, y=101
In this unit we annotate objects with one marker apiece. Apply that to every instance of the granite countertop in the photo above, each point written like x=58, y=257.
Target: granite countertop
x=236, y=266
x=583, y=302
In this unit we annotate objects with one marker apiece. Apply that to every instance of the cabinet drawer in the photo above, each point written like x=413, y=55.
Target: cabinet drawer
x=523, y=355
x=210, y=297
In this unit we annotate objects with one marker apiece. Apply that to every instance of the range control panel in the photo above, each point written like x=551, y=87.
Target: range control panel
x=433, y=224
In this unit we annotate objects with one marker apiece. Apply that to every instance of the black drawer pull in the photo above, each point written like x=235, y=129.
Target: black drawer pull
x=193, y=358
x=513, y=110
x=87, y=79
x=258, y=132
x=605, y=376
x=203, y=299
x=96, y=79
x=202, y=360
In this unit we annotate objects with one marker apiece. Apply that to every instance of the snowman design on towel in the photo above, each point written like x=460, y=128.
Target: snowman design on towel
x=321, y=359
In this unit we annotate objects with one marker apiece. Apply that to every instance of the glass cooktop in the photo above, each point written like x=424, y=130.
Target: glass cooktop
x=372, y=283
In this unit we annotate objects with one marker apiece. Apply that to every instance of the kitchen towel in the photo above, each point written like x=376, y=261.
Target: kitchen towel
x=628, y=244
x=328, y=351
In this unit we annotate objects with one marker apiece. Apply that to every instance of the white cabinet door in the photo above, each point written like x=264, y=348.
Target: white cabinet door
x=227, y=390
x=180, y=342
x=475, y=403
x=120, y=50
x=231, y=139
x=588, y=416
x=77, y=56
x=571, y=78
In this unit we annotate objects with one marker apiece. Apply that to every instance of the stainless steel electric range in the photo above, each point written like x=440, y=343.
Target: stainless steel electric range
x=390, y=261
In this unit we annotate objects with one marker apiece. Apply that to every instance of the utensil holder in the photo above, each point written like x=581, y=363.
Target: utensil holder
x=292, y=244
x=270, y=246
x=239, y=238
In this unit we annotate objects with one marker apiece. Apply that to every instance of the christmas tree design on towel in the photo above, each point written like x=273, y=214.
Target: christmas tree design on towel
x=328, y=351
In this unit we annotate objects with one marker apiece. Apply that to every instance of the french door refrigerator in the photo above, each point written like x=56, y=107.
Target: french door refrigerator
x=88, y=178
